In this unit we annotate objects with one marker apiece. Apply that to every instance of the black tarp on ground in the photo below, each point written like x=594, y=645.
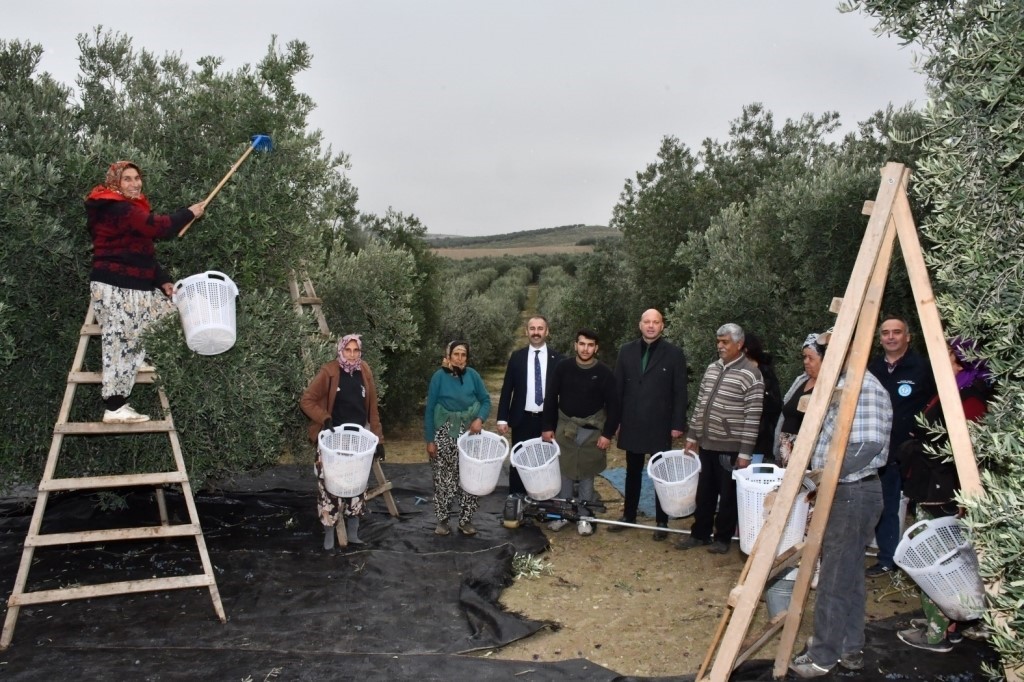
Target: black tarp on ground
x=403, y=607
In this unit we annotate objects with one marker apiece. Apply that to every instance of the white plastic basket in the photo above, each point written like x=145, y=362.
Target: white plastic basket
x=935, y=553
x=536, y=460
x=753, y=484
x=480, y=458
x=206, y=304
x=675, y=474
x=346, y=453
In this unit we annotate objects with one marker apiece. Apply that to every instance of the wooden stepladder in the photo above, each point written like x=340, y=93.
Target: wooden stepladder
x=849, y=351
x=308, y=297
x=49, y=484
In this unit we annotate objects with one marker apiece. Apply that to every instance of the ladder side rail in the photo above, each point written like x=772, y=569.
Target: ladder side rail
x=892, y=182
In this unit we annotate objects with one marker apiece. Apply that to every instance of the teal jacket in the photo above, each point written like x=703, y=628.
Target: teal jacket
x=454, y=396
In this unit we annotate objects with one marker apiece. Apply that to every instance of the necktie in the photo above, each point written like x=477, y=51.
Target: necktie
x=643, y=360
x=538, y=382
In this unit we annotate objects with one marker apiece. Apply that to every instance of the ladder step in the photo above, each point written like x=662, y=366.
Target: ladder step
x=113, y=534
x=118, y=481
x=310, y=300
x=97, y=377
x=107, y=589
x=90, y=330
x=379, y=490
x=94, y=428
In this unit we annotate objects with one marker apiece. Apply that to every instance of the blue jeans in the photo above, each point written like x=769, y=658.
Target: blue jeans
x=840, y=601
x=887, y=532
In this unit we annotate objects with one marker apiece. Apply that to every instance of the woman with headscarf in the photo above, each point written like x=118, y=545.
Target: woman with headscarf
x=456, y=400
x=798, y=397
x=932, y=482
x=125, y=279
x=342, y=392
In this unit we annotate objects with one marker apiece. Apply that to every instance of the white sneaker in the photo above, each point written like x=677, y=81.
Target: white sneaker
x=557, y=525
x=584, y=528
x=124, y=415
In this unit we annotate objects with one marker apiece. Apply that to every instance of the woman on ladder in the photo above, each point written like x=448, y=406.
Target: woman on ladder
x=343, y=392
x=129, y=289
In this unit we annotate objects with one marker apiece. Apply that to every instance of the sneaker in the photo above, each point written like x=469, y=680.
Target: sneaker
x=918, y=638
x=954, y=636
x=467, y=528
x=718, y=547
x=619, y=529
x=804, y=666
x=691, y=542
x=661, y=534
x=852, y=661
x=878, y=570
x=584, y=528
x=124, y=415
x=558, y=524
x=976, y=632
x=443, y=529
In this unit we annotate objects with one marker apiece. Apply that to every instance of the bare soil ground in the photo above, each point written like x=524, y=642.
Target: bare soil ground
x=625, y=602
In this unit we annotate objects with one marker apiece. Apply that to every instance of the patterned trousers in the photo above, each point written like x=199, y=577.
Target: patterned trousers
x=124, y=315
x=445, y=468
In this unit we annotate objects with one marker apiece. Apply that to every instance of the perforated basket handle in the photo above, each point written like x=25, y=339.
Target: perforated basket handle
x=350, y=427
x=216, y=274
x=916, y=529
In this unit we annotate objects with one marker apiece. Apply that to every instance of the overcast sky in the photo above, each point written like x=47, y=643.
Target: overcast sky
x=483, y=117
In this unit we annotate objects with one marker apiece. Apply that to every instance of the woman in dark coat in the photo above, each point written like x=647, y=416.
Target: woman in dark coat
x=343, y=392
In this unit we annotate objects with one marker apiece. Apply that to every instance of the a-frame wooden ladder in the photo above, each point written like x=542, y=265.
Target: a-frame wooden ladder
x=849, y=350
x=49, y=484
x=308, y=297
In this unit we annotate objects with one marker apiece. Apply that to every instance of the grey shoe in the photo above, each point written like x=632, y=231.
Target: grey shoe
x=661, y=534
x=442, y=528
x=619, y=529
x=852, y=661
x=718, y=547
x=691, y=542
x=467, y=528
x=804, y=666
x=918, y=638
x=352, y=530
x=328, y=537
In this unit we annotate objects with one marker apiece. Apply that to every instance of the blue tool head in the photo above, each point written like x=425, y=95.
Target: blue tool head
x=262, y=143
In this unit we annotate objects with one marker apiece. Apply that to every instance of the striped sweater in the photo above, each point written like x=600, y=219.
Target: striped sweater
x=728, y=410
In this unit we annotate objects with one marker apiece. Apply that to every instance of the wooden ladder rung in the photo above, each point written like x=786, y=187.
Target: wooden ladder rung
x=310, y=300
x=113, y=535
x=97, y=377
x=379, y=490
x=116, y=481
x=107, y=589
x=90, y=330
x=93, y=428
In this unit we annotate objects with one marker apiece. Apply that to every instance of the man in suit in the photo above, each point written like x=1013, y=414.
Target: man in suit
x=522, y=392
x=650, y=376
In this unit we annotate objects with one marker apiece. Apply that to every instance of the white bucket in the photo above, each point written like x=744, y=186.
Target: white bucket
x=675, y=474
x=346, y=453
x=206, y=305
x=480, y=458
x=753, y=484
x=937, y=555
x=536, y=460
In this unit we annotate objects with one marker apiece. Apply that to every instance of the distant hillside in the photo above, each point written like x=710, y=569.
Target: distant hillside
x=566, y=235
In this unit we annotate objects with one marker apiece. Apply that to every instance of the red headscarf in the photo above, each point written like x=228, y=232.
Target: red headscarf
x=111, y=187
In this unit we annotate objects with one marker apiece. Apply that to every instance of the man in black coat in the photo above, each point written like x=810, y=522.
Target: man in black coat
x=522, y=391
x=650, y=375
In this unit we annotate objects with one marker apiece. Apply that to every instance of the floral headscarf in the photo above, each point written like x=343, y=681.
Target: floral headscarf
x=447, y=366
x=817, y=342
x=114, y=173
x=110, y=190
x=347, y=366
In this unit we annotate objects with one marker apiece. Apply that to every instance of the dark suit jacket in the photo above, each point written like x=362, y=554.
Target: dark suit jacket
x=512, y=403
x=653, y=402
